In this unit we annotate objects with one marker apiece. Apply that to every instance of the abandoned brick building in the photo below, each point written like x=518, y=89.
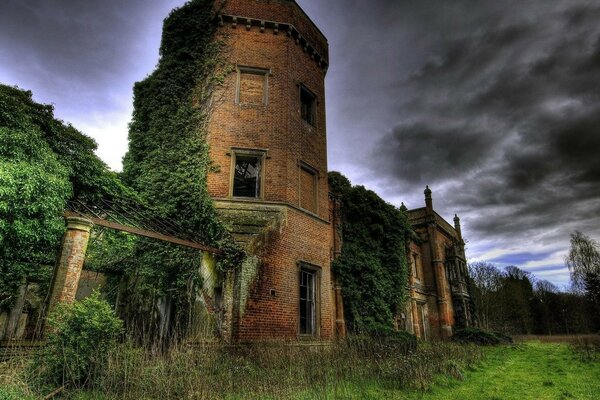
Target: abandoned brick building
x=268, y=140
x=267, y=137
x=439, y=296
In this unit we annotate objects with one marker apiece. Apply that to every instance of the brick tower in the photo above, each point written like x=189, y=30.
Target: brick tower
x=267, y=141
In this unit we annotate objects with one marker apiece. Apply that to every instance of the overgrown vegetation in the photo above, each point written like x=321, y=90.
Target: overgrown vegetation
x=480, y=337
x=268, y=371
x=43, y=164
x=168, y=161
x=81, y=337
x=372, y=268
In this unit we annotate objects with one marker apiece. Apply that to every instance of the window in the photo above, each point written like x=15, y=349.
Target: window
x=252, y=86
x=247, y=173
x=417, y=266
x=307, y=105
x=308, y=188
x=308, y=301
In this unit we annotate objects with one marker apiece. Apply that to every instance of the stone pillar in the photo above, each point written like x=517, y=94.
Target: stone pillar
x=340, y=322
x=70, y=262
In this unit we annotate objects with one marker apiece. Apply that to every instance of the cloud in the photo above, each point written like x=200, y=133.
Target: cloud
x=505, y=118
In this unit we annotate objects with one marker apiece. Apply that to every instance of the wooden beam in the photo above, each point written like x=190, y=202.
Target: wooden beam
x=145, y=233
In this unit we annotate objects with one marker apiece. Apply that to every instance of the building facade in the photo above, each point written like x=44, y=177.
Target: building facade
x=267, y=141
x=439, y=296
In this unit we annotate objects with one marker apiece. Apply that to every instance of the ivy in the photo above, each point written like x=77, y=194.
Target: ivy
x=168, y=158
x=43, y=164
x=372, y=267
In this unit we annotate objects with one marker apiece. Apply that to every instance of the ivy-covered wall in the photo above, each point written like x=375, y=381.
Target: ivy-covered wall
x=372, y=268
x=168, y=159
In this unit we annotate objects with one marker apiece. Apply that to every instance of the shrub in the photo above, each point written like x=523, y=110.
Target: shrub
x=82, y=335
x=381, y=344
x=480, y=336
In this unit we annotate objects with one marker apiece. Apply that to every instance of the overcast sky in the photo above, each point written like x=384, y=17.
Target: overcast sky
x=493, y=104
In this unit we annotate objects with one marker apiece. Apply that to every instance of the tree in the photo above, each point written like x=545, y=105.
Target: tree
x=583, y=259
x=583, y=262
x=487, y=281
x=43, y=164
x=34, y=187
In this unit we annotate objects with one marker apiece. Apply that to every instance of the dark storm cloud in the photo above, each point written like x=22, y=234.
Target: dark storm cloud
x=514, y=110
x=81, y=53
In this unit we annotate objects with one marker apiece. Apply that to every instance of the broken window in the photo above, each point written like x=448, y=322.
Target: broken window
x=308, y=300
x=252, y=87
x=308, y=188
x=247, y=175
x=307, y=105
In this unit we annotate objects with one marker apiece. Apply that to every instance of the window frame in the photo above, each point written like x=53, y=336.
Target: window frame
x=309, y=168
x=315, y=271
x=313, y=113
x=242, y=69
x=259, y=153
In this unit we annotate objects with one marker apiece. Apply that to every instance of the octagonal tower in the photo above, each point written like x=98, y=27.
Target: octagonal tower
x=267, y=141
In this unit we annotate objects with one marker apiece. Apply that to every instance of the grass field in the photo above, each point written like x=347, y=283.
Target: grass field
x=531, y=370
x=527, y=370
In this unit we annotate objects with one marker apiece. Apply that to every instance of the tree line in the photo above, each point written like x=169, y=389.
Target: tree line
x=513, y=301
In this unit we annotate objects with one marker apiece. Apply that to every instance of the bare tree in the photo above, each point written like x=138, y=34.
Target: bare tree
x=583, y=260
x=584, y=264
x=487, y=280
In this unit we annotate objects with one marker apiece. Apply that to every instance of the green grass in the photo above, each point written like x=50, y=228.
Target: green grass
x=532, y=370
x=443, y=371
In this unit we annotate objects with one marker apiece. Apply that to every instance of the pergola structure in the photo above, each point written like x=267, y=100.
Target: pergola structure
x=121, y=216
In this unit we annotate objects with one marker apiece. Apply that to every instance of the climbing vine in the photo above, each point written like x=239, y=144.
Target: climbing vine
x=168, y=158
x=372, y=267
x=43, y=164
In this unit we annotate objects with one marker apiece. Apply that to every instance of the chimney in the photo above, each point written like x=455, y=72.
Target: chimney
x=457, y=226
x=428, y=201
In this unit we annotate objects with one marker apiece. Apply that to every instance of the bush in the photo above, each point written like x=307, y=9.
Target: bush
x=381, y=344
x=480, y=337
x=82, y=335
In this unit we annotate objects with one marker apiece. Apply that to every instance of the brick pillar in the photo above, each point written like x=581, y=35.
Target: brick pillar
x=340, y=321
x=70, y=262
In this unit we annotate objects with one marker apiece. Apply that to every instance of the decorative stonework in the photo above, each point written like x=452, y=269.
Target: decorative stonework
x=290, y=30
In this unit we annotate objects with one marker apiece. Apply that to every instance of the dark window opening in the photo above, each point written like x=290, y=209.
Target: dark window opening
x=308, y=105
x=246, y=181
x=307, y=302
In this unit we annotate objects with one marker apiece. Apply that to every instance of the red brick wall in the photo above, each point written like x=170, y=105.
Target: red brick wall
x=275, y=316
x=277, y=127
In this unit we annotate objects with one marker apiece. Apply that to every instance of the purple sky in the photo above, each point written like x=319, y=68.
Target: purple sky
x=494, y=104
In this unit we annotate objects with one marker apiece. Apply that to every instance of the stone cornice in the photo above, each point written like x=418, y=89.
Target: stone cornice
x=290, y=30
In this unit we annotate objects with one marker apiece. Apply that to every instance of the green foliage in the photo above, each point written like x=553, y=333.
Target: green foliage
x=480, y=337
x=82, y=335
x=43, y=163
x=384, y=342
x=13, y=393
x=168, y=158
x=34, y=187
x=373, y=266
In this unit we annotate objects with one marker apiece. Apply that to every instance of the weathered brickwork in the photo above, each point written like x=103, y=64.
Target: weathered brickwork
x=70, y=262
x=439, y=296
x=259, y=37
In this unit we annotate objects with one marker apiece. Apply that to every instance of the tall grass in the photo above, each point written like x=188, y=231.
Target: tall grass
x=274, y=370
x=257, y=371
